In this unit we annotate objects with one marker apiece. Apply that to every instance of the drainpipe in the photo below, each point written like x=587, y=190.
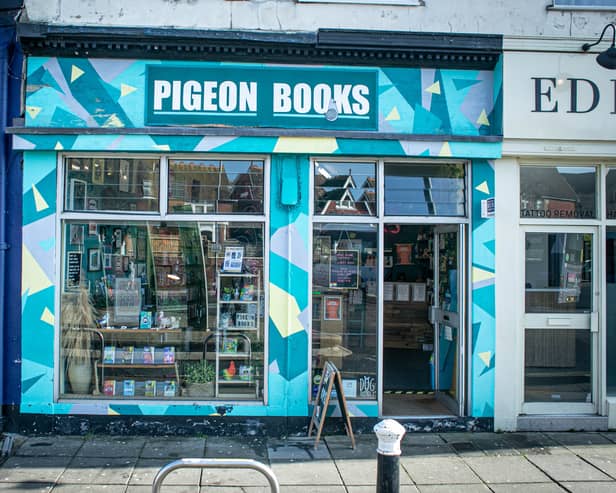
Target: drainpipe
x=10, y=183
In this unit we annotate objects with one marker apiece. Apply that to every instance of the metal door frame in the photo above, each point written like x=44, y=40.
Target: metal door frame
x=573, y=321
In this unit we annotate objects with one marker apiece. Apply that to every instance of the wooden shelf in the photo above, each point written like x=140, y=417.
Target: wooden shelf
x=136, y=365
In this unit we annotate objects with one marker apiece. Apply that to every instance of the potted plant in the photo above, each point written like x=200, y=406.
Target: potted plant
x=77, y=319
x=198, y=378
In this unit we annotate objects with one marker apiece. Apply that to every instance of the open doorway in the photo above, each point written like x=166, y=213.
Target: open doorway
x=421, y=320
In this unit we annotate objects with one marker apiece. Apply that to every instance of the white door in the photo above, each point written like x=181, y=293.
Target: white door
x=560, y=320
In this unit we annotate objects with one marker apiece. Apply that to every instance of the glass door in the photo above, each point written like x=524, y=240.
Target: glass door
x=560, y=321
x=447, y=316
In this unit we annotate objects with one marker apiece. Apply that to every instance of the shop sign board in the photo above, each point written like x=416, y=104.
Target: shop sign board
x=295, y=97
x=344, y=269
x=558, y=96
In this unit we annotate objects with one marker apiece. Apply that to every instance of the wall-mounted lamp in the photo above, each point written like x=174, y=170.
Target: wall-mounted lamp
x=331, y=114
x=606, y=58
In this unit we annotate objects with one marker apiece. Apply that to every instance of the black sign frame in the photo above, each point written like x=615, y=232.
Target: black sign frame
x=341, y=276
x=330, y=378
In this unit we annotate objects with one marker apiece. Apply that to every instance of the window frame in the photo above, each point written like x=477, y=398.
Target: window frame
x=580, y=5
x=62, y=216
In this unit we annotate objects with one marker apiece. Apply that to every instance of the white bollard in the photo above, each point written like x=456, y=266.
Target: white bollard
x=390, y=433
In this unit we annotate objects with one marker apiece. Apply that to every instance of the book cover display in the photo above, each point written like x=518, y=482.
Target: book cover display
x=150, y=388
x=109, y=354
x=148, y=354
x=109, y=387
x=129, y=388
x=169, y=355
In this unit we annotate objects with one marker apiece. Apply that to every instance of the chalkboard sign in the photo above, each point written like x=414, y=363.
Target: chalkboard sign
x=344, y=269
x=330, y=378
x=73, y=270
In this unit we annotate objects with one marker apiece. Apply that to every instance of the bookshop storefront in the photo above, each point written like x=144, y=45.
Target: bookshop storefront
x=174, y=270
x=556, y=313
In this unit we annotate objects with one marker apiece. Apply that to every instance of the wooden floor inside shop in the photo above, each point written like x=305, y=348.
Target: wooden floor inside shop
x=403, y=405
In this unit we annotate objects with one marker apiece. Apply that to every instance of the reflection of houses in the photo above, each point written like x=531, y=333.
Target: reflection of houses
x=340, y=195
x=553, y=190
x=215, y=186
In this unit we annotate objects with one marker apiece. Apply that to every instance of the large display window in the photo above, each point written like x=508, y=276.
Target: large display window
x=157, y=309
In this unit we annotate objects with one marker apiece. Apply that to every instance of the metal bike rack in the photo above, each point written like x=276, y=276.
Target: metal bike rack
x=215, y=464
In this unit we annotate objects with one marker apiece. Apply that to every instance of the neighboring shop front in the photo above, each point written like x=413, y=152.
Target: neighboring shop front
x=556, y=230
x=200, y=237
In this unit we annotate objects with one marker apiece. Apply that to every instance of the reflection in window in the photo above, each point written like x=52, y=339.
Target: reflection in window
x=153, y=310
x=558, y=272
x=344, y=305
x=610, y=297
x=216, y=186
x=345, y=189
x=106, y=184
x=557, y=365
x=610, y=194
x=424, y=190
x=557, y=192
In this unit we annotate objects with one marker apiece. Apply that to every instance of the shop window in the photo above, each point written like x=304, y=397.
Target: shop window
x=610, y=188
x=425, y=190
x=215, y=186
x=558, y=273
x=344, y=305
x=345, y=189
x=554, y=192
x=111, y=184
x=162, y=310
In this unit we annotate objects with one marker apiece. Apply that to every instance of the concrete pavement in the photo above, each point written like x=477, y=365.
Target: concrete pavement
x=445, y=462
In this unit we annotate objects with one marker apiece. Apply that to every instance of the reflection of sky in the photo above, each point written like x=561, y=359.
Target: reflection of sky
x=359, y=171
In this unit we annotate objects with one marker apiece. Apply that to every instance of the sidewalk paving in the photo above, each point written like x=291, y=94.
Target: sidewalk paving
x=445, y=462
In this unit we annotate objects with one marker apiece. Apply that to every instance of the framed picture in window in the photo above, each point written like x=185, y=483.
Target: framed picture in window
x=124, y=176
x=94, y=259
x=98, y=171
x=78, y=195
x=332, y=306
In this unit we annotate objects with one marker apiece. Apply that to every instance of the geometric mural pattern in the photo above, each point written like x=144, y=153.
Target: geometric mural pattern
x=95, y=93
x=105, y=93
x=483, y=310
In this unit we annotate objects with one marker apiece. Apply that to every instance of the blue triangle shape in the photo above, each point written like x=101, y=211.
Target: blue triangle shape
x=491, y=245
x=460, y=84
x=28, y=383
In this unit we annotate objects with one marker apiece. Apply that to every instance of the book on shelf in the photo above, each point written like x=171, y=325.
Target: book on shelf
x=127, y=354
x=150, y=388
x=145, y=320
x=229, y=345
x=148, y=354
x=109, y=354
x=169, y=388
x=169, y=355
x=109, y=387
x=129, y=388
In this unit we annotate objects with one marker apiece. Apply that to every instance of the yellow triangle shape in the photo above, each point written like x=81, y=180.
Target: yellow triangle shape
x=306, y=144
x=33, y=111
x=113, y=121
x=47, y=316
x=481, y=275
x=284, y=311
x=58, y=146
x=125, y=89
x=162, y=147
x=112, y=412
x=483, y=119
x=434, y=88
x=76, y=72
x=393, y=114
x=445, y=150
x=39, y=202
x=33, y=277
x=483, y=187
x=485, y=357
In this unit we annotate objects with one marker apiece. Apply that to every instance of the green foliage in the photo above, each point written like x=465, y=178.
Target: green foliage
x=198, y=372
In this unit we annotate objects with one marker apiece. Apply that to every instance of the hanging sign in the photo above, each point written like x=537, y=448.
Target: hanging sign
x=330, y=379
x=73, y=270
x=344, y=269
x=263, y=96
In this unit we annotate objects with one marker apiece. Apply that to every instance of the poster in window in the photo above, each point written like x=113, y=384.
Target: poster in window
x=419, y=292
x=73, y=269
x=344, y=269
x=333, y=308
x=75, y=234
x=403, y=291
x=234, y=257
